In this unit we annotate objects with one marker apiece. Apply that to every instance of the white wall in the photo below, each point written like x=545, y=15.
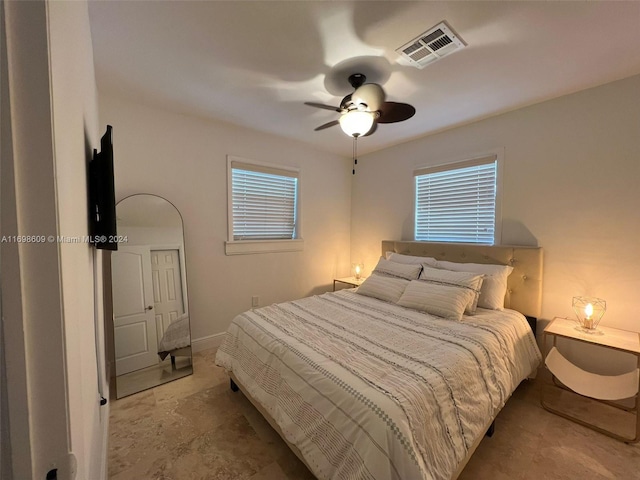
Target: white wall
x=570, y=185
x=48, y=288
x=76, y=133
x=183, y=159
x=151, y=235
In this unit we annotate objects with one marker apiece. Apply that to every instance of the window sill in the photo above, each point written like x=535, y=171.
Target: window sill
x=246, y=247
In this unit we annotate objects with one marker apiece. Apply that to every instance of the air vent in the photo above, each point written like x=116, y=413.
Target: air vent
x=430, y=46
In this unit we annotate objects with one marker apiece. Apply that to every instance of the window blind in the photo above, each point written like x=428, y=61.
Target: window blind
x=264, y=202
x=457, y=203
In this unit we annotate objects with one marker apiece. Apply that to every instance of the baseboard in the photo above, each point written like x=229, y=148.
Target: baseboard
x=206, y=343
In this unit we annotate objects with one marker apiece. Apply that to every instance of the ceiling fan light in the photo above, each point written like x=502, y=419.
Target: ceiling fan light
x=356, y=123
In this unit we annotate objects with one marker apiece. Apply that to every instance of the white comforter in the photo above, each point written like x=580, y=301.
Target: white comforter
x=176, y=336
x=370, y=390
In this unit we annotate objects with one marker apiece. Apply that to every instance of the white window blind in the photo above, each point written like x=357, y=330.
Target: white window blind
x=457, y=203
x=264, y=202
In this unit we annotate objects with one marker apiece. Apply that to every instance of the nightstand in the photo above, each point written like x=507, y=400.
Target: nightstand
x=353, y=281
x=600, y=388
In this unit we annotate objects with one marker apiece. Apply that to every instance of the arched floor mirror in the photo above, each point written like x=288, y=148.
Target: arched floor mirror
x=152, y=335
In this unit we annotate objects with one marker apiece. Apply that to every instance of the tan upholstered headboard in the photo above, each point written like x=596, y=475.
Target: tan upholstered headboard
x=524, y=285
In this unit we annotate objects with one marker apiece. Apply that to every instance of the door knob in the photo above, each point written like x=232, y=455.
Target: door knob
x=149, y=308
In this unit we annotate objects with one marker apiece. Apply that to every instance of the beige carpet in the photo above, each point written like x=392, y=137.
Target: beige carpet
x=196, y=428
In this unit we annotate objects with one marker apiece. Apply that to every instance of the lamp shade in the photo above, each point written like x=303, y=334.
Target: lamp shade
x=589, y=311
x=355, y=123
x=357, y=270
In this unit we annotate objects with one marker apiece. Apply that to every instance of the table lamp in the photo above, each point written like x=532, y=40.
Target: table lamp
x=589, y=311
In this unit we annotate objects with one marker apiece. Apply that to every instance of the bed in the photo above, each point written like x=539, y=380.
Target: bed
x=364, y=388
x=176, y=340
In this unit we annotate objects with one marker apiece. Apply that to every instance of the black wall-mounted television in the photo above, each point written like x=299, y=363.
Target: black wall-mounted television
x=102, y=197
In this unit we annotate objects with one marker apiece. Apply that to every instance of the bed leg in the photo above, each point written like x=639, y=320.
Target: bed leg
x=234, y=387
x=173, y=362
x=492, y=428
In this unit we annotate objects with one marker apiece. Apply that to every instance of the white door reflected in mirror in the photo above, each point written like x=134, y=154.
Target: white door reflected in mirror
x=134, y=326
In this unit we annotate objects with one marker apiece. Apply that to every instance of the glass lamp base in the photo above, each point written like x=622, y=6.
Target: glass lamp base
x=590, y=331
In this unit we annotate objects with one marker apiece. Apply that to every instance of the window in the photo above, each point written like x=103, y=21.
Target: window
x=458, y=202
x=263, y=208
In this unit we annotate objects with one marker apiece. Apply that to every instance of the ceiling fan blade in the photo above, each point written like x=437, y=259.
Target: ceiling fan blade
x=370, y=94
x=374, y=127
x=326, y=125
x=392, y=112
x=322, y=105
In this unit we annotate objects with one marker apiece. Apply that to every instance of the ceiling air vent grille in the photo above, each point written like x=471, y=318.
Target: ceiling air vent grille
x=430, y=46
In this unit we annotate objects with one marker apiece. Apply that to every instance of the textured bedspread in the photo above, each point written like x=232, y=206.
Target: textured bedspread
x=370, y=390
x=177, y=336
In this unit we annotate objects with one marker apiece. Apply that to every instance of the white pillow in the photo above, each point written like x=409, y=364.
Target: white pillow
x=468, y=280
x=384, y=288
x=441, y=300
x=494, y=285
x=400, y=270
x=410, y=259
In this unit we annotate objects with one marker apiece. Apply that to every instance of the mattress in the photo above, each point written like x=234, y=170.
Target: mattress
x=367, y=389
x=176, y=336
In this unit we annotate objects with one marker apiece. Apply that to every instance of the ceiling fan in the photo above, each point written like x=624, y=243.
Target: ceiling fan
x=362, y=110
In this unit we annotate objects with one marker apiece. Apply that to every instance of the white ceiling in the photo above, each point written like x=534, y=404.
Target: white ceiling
x=254, y=63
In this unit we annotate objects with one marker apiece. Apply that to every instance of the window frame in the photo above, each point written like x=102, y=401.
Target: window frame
x=496, y=155
x=243, y=247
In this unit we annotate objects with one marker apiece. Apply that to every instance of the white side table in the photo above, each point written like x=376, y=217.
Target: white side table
x=353, y=281
x=601, y=388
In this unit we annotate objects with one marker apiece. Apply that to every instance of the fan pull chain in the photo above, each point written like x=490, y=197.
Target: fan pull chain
x=355, y=154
